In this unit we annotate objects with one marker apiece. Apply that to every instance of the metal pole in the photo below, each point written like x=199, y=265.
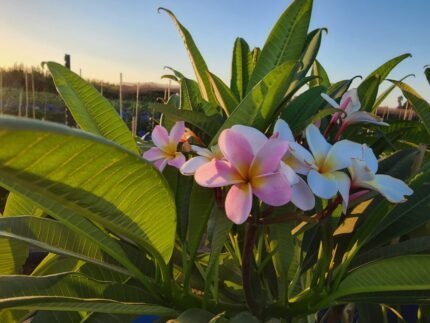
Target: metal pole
x=136, y=116
x=26, y=94
x=33, y=94
x=120, y=95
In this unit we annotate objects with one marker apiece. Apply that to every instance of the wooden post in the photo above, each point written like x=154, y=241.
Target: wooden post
x=120, y=95
x=136, y=115
x=33, y=94
x=20, y=103
x=1, y=91
x=26, y=94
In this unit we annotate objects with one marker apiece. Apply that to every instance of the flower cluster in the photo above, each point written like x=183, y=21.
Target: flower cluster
x=278, y=170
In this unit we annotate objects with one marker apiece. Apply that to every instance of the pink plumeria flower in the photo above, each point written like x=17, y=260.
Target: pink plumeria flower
x=363, y=174
x=350, y=103
x=252, y=165
x=165, y=152
x=295, y=158
x=203, y=157
x=325, y=178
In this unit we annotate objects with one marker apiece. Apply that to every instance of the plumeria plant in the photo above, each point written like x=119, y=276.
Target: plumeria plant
x=281, y=197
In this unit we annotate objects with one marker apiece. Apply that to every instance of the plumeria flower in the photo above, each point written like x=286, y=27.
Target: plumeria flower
x=325, y=178
x=252, y=166
x=165, y=152
x=363, y=174
x=204, y=156
x=302, y=196
x=350, y=103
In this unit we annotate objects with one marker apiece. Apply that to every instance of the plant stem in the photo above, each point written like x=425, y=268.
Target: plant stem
x=251, y=236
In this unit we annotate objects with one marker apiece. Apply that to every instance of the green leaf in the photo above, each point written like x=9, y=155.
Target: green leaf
x=91, y=111
x=412, y=246
x=310, y=52
x=427, y=73
x=262, y=103
x=190, y=95
x=396, y=280
x=385, y=69
x=208, y=125
x=76, y=292
x=69, y=173
x=109, y=318
x=194, y=315
x=386, y=93
x=299, y=110
x=55, y=237
x=285, y=42
x=241, y=68
x=197, y=61
x=368, y=91
x=56, y=317
x=421, y=106
x=223, y=94
x=19, y=205
x=322, y=77
x=202, y=201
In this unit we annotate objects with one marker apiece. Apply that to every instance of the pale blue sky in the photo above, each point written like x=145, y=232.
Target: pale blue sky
x=106, y=37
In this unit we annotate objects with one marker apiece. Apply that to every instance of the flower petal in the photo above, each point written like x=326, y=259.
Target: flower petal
x=191, y=166
x=178, y=161
x=268, y=158
x=272, y=189
x=317, y=143
x=361, y=116
x=370, y=159
x=290, y=175
x=393, y=189
x=303, y=158
x=160, y=137
x=202, y=151
x=217, y=173
x=330, y=101
x=360, y=172
x=238, y=203
x=177, y=132
x=340, y=155
x=255, y=137
x=343, y=185
x=237, y=150
x=160, y=164
x=302, y=196
x=323, y=185
x=153, y=154
x=284, y=131
x=350, y=101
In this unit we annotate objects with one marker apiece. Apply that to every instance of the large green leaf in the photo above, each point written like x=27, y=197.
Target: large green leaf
x=322, y=77
x=55, y=237
x=310, y=52
x=208, y=125
x=427, y=72
x=299, y=110
x=71, y=173
x=109, y=318
x=386, y=93
x=240, y=68
x=223, y=94
x=56, y=317
x=402, y=279
x=368, y=89
x=262, y=103
x=76, y=292
x=421, y=106
x=286, y=40
x=92, y=112
x=197, y=61
x=19, y=205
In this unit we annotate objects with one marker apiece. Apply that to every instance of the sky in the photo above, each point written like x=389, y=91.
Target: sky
x=106, y=37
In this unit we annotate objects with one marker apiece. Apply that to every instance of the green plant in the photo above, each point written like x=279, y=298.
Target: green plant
x=125, y=240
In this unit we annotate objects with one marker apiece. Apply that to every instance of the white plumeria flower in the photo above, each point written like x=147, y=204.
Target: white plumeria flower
x=350, y=103
x=204, y=156
x=325, y=178
x=302, y=196
x=363, y=174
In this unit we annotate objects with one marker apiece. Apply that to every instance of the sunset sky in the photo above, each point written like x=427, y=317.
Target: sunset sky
x=106, y=37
